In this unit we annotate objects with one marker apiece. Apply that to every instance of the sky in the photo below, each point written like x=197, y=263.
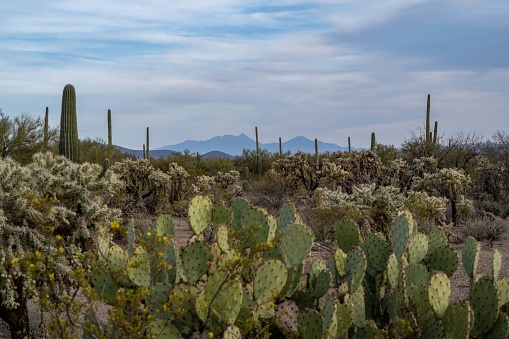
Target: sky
x=325, y=69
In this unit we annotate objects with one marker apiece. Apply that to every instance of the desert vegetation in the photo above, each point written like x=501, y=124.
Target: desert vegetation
x=83, y=227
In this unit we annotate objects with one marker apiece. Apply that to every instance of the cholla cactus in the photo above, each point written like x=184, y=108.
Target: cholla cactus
x=298, y=170
x=147, y=187
x=426, y=207
x=364, y=167
x=227, y=179
x=52, y=197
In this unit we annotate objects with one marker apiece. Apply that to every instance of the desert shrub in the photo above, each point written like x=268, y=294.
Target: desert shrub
x=426, y=208
x=50, y=206
x=226, y=179
x=364, y=167
x=147, y=188
x=485, y=228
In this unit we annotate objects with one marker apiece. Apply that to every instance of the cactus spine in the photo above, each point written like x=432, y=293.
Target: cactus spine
x=68, y=146
x=110, y=142
x=46, y=135
x=373, y=142
x=147, y=151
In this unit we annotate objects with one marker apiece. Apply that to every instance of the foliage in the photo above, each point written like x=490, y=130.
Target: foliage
x=23, y=136
x=49, y=198
x=95, y=151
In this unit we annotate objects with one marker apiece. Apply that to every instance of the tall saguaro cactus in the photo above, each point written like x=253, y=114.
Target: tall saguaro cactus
x=46, y=128
x=110, y=139
x=147, y=152
x=435, y=132
x=280, y=148
x=349, y=146
x=68, y=146
x=428, y=125
x=317, y=161
x=258, y=157
x=373, y=142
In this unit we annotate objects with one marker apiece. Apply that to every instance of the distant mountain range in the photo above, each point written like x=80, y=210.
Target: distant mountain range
x=229, y=146
x=234, y=144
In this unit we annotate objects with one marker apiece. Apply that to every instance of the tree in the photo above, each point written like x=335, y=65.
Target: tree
x=23, y=136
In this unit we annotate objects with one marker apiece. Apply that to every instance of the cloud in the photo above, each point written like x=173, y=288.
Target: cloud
x=193, y=70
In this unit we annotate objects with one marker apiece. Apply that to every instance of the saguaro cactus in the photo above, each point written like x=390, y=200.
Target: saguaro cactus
x=46, y=127
x=147, y=152
x=258, y=157
x=68, y=146
x=435, y=132
x=349, y=146
x=373, y=142
x=110, y=140
x=428, y=126
x=280, y=148
x=316, y=152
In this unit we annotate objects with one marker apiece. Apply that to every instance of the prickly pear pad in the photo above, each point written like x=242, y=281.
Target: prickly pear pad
x=164, y=226
x=485, y=304
x=163, y=329
x=355, y=269
x=199, y=213
x=443, y=259
x=400, y=236
x=224, y=296
x=330, y=319
x=417, y=248
x=286, y=216
x=439, y=291
x=470, y=256
x=345, y=317
x=347, y=235
x=457, y=320
x=138, y=267
x=221, y=215
x=310, y=324
x=295, y=244
x=497, y=263
x=232, y=332
x=269, y=281
x=195, y=258
x=377, y=251
x=392, y=271
x=340, y=261
x=359, y=307
x=500, y=329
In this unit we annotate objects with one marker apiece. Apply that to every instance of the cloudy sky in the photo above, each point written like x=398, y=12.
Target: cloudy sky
x=325, y=69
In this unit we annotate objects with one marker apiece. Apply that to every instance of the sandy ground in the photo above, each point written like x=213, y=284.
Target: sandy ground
x=459, y=282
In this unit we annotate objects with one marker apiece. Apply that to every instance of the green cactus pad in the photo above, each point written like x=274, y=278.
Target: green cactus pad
x=224, y=296
x=222, y=238
x=164, y=329
x=470, y=256
x=265, y=311
x=239, y=207
x=182, y=304
x=347, y=235
x=345, y=317
x=103, y=241
x=500, y=329
x=287, y=216
x=199, y=213
x=138, y=267
x=272, y=227
x=436, y=239
x=330, y=319
x=293, y=280
x=443, y=259
x=377, y=251
x=195, y=258
x=310, y=324
x=359, y=310
x=295, y=244
x=392, y=271
x=410, y=219
x=159, y=294
x=172, y=258
x=204, y=313
x=164, y=226
x=256, y=227
x=319, y=279
x=356, y=269
x=400, y=235
x=457, y=320
x=497, y=264
x=232, y=332
x=117, y=258
x=485, y=304
x=221, y=215
x=417, y=275
x=433, y=329
x=340, y=261
x=439, y=291
x=104, y=286
x=269, y=281
x=417, y=248
x=503, y=290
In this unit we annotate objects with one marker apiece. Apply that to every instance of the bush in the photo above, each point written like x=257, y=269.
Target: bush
x=485, y=228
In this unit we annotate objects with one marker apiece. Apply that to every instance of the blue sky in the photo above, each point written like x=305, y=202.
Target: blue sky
x=324, y=69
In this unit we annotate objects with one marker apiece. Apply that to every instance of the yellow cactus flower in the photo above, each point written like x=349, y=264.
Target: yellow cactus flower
x=58, y=237
x=60, y=250
x=114, y=224
x=52, y=276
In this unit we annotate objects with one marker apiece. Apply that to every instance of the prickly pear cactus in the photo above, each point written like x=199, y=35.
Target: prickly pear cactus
x=470, y=256
x=199, y=213
x=485, y=304
x=355, y=269
x=347, y=235
x=439, y=291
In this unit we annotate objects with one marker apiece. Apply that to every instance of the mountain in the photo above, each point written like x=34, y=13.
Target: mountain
x=234, y=144
x=139, y=153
